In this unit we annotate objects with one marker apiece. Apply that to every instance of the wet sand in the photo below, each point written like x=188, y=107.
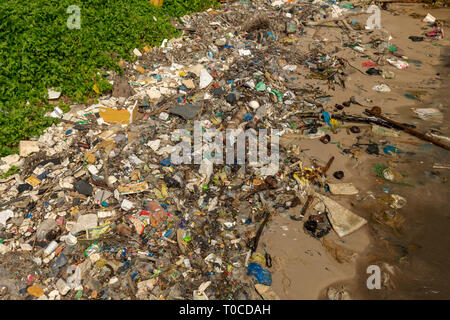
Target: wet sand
x=414, y=260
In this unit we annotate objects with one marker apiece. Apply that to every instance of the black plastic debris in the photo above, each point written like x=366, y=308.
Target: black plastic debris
x=317, y=226
x=83, y=187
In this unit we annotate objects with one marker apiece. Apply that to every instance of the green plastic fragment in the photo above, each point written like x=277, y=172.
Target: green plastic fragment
x=392, y=48
x=278, y=94
x=260, y=87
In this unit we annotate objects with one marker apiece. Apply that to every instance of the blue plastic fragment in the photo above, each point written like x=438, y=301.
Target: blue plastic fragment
x=166, y=162
x=270, y=34
x=43, y=175
x=326, y=118
x=167, y=233
x=389, y=150
x=248, y=117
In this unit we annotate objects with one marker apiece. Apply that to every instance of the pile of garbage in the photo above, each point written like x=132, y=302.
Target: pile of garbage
x=100, y=209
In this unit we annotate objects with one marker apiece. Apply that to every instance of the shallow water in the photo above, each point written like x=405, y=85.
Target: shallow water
x=420, y=254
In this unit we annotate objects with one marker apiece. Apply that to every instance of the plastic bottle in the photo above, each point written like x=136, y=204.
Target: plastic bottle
x=50, y=248
x=71, y=244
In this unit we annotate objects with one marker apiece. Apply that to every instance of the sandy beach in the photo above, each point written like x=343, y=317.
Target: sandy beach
x=305, y=269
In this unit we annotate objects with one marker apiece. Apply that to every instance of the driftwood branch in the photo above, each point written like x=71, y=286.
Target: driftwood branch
x=374, y=112
x=347, y=118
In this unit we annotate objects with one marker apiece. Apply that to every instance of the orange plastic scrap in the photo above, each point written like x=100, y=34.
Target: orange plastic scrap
x=33, y=181
x=35, y=291
x=121, y=116
x=133, y=188
x=257, y=182
x=89, y=157
x=157, y=214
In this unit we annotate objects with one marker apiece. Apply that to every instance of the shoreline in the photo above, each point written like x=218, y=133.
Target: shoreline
x=353, y=276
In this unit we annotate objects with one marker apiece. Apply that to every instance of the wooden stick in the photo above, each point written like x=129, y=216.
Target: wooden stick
x=325, y=169
x=259, y=232
x=407, y=129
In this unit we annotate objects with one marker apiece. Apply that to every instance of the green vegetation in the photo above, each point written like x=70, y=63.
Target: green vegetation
x=10, y=172
x=38, y=51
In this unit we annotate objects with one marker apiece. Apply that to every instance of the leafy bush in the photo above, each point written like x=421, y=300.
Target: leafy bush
x=38, y=51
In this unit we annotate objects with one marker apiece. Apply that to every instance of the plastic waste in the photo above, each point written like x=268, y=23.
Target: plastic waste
x=399, y=64
x=382, y=88
x=263, y=276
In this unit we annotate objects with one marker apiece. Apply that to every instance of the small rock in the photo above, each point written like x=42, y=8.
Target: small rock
x=338, y=175
x=83, y=187
x=186, y=111
x=218, y=92
x=231, y=99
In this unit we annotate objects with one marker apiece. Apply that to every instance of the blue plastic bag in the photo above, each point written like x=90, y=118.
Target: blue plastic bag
x=263, y=276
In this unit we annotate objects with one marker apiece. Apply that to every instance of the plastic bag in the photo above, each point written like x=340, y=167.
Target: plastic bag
x=263, y=276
